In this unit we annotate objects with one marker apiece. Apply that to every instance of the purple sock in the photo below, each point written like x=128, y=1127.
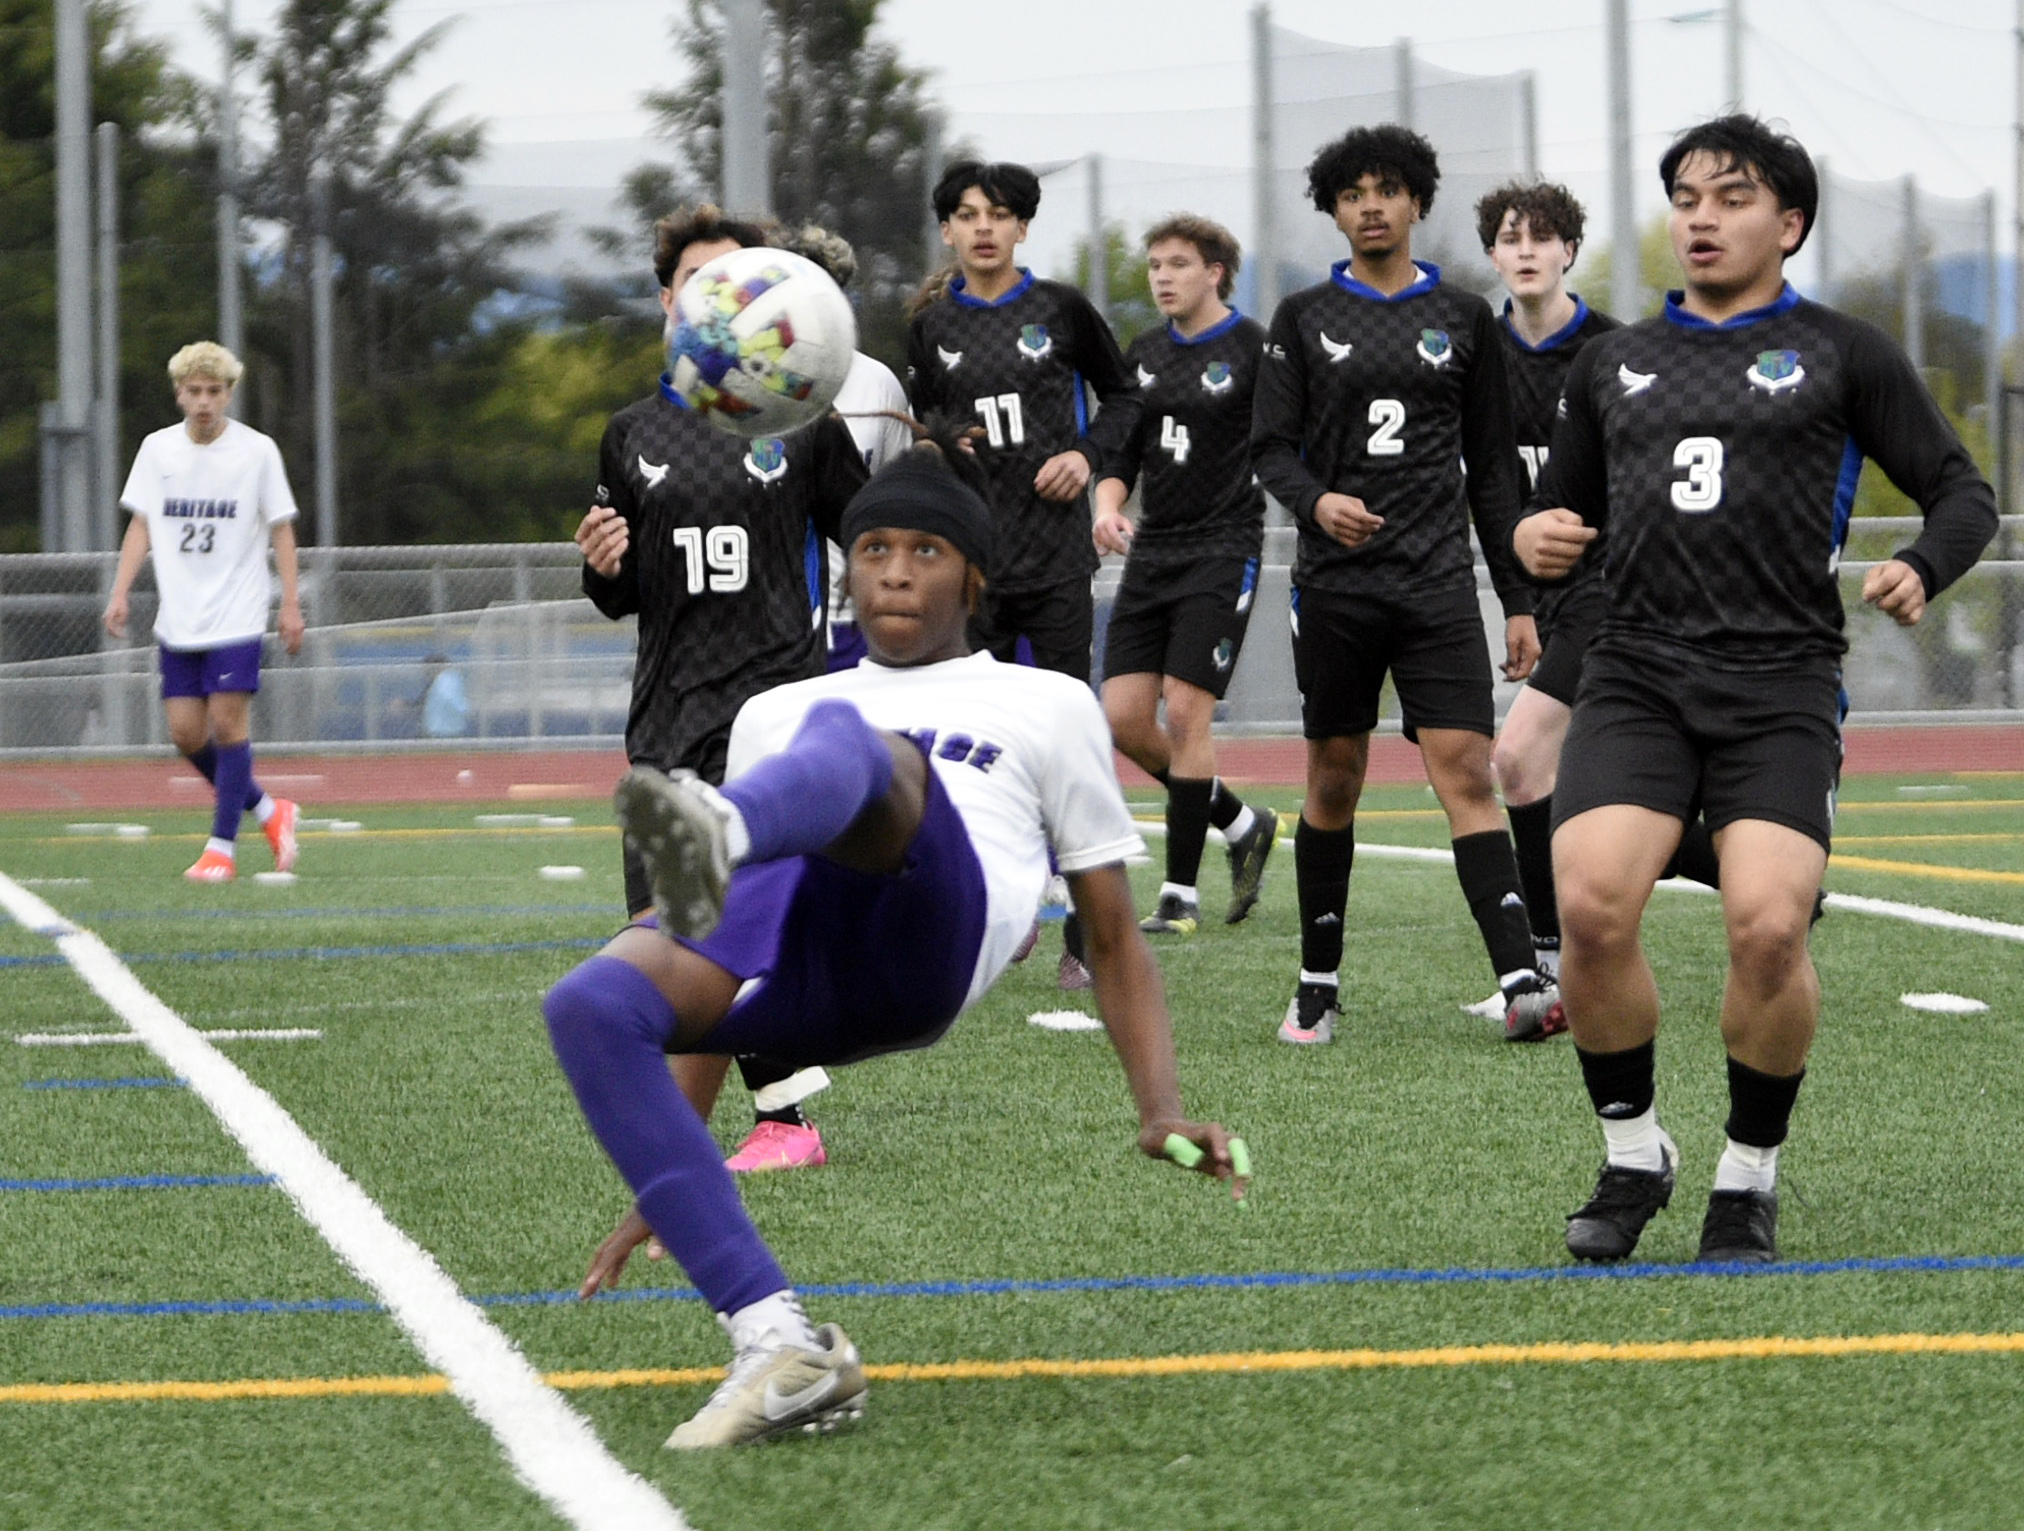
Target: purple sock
x=235, y=775
x=609, y=1023
x=205, y=761
x=796, y=802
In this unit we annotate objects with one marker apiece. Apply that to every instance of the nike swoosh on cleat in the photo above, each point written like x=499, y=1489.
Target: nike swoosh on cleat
x=778, y=1405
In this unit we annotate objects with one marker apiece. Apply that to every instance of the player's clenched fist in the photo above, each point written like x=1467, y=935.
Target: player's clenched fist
x=1550, y=543
x=602, y=537
x=1347, y=519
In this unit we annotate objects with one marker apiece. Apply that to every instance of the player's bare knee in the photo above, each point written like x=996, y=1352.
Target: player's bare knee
x=1767, y=944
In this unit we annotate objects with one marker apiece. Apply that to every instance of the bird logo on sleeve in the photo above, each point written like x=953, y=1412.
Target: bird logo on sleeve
x=1338, y=350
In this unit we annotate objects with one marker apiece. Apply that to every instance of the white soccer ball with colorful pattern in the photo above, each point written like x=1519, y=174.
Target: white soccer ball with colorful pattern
x=760, y=341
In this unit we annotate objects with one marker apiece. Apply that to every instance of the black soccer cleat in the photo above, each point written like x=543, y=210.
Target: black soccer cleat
x=1607, y=1225
x=1741, y=1228
x=1248, y=854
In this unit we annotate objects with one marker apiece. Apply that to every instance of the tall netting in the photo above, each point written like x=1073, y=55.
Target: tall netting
x=1480, y=124
x=1869, y=231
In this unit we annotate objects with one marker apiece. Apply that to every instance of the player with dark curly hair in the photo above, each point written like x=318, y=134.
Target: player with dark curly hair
x=1377, y=386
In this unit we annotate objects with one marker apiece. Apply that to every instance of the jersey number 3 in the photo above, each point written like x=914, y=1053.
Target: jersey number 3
x=1701, y=489
x=721, y=557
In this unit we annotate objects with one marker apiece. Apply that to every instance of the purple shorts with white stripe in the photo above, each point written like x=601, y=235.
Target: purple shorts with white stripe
x=203, y=672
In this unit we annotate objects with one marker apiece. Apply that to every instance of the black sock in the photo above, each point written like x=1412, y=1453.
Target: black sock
x=1760, y=1105
x=1321, y=864
x=1620, y=1085
x=758, y=1073
x=1071, y=937
x=1532, y=841
x=1164, y=778
x=1696, y=859
x=1187, y=828
x=1489, y=877
x=1224, y=805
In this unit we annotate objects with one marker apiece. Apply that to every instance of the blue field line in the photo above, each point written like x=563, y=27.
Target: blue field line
x=105, y=1084
x=1451, y=1276
x=342, y=953
x=135, y=1183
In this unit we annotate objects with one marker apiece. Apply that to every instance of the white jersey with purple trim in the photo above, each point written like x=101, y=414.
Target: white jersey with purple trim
x=1024, y=755
x=868, y=388
x=208, y=510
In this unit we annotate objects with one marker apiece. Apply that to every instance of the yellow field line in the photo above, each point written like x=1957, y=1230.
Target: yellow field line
x=1943, y=805
x=1568, y=1352
x=359, y=834
x=1921, y=869
x=1992, y=839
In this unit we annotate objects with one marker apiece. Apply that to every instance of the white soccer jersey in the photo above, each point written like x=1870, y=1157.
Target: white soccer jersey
x=1024, y=755
x=867, y=387
x=208, y=510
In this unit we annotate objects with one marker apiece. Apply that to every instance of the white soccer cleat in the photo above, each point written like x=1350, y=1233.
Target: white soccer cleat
x=777, y=1389
x=677, y=824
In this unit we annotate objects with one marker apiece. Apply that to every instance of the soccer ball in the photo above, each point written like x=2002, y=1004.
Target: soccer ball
x=760, y=341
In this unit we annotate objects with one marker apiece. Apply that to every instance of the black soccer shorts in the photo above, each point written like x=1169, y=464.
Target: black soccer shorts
x=1658, y=729
x=1184, y=620
x=1057, y=623
x=1567, y=624
x=1433, y=647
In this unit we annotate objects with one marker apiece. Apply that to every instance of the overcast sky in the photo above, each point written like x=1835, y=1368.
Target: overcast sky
x=1881, y=88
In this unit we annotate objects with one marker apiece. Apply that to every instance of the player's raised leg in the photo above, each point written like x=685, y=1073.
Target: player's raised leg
x=1606, y=862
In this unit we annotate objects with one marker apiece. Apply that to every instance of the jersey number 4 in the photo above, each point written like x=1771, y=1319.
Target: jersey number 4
x=1174, y=438
x=720, y=558
x=1701, y=489
x=1003, y=420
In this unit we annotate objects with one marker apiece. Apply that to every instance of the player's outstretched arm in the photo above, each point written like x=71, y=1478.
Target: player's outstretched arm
x=1133, y=1004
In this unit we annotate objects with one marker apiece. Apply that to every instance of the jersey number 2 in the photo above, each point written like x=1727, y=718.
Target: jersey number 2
x=722, y=556
x=1701, y=489
x=1389, y=416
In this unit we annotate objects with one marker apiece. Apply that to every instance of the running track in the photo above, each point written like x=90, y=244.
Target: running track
x=164, y=781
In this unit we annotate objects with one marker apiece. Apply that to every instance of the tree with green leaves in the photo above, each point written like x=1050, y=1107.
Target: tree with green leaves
x=849, y=127
x=167, y=266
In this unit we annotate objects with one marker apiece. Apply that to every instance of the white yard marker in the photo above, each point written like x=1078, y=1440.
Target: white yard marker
x=550, y=1447
x=1943, y=1004
x=1064, y=1020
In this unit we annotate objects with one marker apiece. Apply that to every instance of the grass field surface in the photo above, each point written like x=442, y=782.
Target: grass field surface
x=1061, y=1333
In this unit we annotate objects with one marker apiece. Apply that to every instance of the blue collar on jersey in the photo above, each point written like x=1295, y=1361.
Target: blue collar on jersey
x=1552, y=342
x=957, y=290
x=1430, y=278
x=668, y=393
x=1220, y=327
x=1784, y=303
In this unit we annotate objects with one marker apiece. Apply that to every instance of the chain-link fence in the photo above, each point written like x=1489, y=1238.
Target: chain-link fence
x=494, y=646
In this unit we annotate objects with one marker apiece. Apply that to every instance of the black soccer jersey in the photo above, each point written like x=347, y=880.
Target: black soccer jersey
x=726, y=565
x=1537, y=374
x=1023, y=367
x=1721, y=463
x=1191, y=450
x=1385, y=398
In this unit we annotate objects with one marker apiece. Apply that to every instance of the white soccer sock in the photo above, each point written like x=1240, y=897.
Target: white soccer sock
x=264, y=809
x=1240, y=826
x=1546, y=962
x=1329, y=980
x=1636, y=1142
x=1188, y=894
x=224, y=848
x=774, y=1320
x=1743, y=1168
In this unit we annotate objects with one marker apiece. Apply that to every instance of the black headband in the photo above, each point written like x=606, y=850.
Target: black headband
x=920, y=493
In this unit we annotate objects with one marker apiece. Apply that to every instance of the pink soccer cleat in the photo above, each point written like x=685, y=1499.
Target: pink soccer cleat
x=280, y=833
x=778, y=1146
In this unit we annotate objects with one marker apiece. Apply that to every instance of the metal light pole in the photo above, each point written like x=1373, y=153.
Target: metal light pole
x=748, y=175
x=1626, y=283
x=231, y=313
x=72, y=502
x=1264, y=181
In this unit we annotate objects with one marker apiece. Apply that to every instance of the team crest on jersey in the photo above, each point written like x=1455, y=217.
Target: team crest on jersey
x=1034, y=341
x=1216, y=377
x=1338, y=350
x=1776, y=371
x=652, y=472
x=1146, y=379
x=766, y=459
x=1225, y=655
x=950, y=359
x=1434, y=348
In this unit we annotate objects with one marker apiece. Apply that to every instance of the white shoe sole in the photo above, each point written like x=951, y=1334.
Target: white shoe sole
x=681, y=844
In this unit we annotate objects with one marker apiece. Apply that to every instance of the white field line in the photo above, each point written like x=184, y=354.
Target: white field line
x=549, y=1446
x=1882, y=908
x=113, y=1038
